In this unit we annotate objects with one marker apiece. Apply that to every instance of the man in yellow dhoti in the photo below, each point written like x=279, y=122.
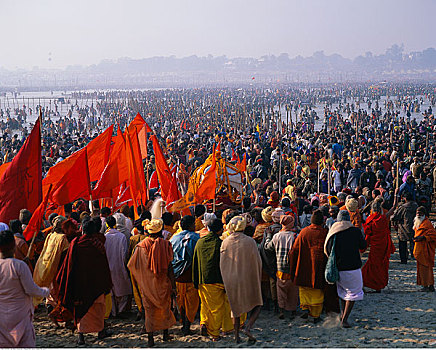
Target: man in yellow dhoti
x=307, y=264
x=206, y=276
x=49, y=261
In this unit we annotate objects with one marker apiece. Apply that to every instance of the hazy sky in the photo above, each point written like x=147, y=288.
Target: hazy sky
x=87, y=31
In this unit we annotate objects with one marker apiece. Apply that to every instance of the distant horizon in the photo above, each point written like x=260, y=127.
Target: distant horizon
x=118, y=59
x=61, y=33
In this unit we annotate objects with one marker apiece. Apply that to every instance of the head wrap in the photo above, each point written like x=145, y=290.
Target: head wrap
x=153, y=225
x=3, y=227
x=287, y=222
x=208, y=218
x=351, y=204
x=57, y=223
x=333, y=200
x=274, y=196
x=237, y=224
x=121, y=223
x=267, y=214
x=277, y=213
x=343, y=215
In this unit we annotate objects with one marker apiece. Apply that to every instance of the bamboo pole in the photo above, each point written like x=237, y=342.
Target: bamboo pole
x=318, y=178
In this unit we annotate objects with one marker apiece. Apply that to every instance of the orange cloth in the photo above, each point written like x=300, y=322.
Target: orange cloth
x=424, y=253
x=155, y=288
x=355, y=217
x=159, y=253
x=375, y=272
x=188, y=299
x=93, y=321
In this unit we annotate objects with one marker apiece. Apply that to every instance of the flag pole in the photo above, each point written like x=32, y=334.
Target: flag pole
x=36, y=233
x=31, y=245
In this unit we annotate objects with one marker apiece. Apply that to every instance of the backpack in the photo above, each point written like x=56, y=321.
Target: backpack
x=331, y=270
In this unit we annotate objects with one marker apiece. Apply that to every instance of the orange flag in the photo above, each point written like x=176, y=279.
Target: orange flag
x=116, y=171
x=3, y=168
x=74, y=183
x=137, y=123
x=138, y=165
x=142, y=139
x=136, y=174
x=142, y=128
x=98, y=153
x=36, y=220
x=242, y=166
x=207, y=188
x=20, y=184
x=162, y=169
x=147, y=128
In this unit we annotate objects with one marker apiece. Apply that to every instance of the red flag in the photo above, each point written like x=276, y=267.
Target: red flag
x=153, y=183
x=122, y=196
x=98, y=153
x=173, y=193
x=20, y=184
x=162, y=169
x=218, y=148
x=3, y=168
x=74, y=183
x=207, y=188
x=234, y=156
x=36, y=220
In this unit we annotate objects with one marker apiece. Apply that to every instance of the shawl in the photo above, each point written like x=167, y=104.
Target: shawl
x=241, y=270
x=159, y=251
x=206, y=261
x=84, y=275
x=307, y=260
x=336, y=228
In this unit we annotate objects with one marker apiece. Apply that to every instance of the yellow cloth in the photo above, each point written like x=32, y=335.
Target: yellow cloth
x=283, y=275
x=47, y=265
x=290, y=190
x=215, y=309
x=134, y=240
x=198, y=224
x=187, y=298
x=311, y=299
x=108, y=302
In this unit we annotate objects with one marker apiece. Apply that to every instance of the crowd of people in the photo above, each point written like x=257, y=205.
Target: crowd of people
x=318, y=193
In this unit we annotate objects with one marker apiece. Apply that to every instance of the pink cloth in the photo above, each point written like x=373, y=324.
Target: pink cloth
x=116, y=251
x=16, y=307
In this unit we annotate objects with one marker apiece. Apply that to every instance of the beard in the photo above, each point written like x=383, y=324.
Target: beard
x=417, y=221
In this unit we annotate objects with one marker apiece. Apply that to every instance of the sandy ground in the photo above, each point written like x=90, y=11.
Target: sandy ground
x=400, y=316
